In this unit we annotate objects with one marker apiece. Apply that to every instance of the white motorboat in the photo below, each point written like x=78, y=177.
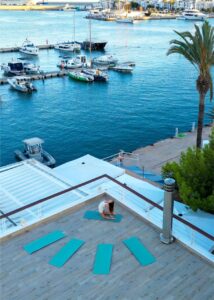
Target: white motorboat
x=125, y=20
x=33, y=149
x=96, y=73
x=13, y=68
x=29, y=48
x=31, y=68
x=105, y=60
x=21, y=84
x=192, y=14
x=123, y=68
x=78, y=62
x=69, y=47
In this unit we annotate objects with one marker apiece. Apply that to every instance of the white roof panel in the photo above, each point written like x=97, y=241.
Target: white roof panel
x=86, y=168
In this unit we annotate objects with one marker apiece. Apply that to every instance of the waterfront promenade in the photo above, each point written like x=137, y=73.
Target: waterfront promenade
x=153, y=157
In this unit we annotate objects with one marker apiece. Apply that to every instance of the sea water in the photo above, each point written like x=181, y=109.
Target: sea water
x=75, y=118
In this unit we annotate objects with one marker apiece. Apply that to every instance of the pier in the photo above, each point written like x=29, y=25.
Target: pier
x=16, y=49
x=41, y=76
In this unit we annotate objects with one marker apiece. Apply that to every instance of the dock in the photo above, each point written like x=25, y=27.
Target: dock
x=41, y=76
x=16, y=49
x=154, y=156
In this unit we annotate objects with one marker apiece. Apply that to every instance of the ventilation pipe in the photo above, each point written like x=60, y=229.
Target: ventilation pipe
x=166, y=235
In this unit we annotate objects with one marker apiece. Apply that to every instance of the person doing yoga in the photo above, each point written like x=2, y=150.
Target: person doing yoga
x=106, y=209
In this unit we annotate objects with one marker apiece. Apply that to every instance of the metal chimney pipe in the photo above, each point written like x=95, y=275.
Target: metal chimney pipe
x=166, y=235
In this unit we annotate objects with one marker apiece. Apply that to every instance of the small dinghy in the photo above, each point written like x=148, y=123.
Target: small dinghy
x=29, y=48
x=81, y=76
x=97, y=74
x=33, y=149
x=21, y=84
x=123, y=69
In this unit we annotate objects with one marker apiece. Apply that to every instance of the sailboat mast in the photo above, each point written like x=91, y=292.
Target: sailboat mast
x=90, y=41
x=74, y=27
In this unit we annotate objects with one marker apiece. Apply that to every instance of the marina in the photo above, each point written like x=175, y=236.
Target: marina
x=82, y=101
x=89, y=210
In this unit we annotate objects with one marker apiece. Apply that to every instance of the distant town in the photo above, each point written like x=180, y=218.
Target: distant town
x=144, y=4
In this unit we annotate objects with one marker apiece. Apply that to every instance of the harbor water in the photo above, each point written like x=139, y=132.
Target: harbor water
x=74, y=118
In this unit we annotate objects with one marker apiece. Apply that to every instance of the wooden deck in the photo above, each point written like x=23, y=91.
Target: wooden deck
x=177, y=274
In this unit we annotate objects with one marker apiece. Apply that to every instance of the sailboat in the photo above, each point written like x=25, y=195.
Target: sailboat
x=97, y=74
x=69, y=46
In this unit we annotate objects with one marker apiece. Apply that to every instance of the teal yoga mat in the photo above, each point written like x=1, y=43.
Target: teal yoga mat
x=66, y=252
x=139, y=251
x=102, y=263
x=44, y=241
x=95, y=215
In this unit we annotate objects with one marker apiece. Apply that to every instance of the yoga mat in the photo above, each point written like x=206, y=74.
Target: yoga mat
x=66, y=252
x=95, y=215
x=102, y=263
x=139, y=251
x=44, y=241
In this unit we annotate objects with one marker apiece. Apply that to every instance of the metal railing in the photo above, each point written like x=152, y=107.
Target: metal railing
x=123, y=185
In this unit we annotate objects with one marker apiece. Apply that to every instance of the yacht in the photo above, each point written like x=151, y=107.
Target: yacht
x=93, y=45
x=13, y=68
x=108, y=60
x=33, y=149
x=69, y=47
x=78, y=62
x=21, y=84
x=30, y=68
x=29, y=48
x=192, y=14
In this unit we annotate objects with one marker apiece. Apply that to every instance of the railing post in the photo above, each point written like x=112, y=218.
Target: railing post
x=166, y=235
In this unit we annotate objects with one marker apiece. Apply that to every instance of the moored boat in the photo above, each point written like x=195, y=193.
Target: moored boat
x=105, y=60
x=68, y=47
x=21, y=84
x=123, y=68
x=78, y=62
x=125, y=20
x=94, y=45
x=33, y=149
x=81, y=76
x=29, y=48
x=30, y=68
x=97, y=74
x=13, y=68
x=192, y=15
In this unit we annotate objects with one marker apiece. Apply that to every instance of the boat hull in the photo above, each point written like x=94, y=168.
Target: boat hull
x=80, y=77
x=47, y=159
x=28, y=52
x=95, y=46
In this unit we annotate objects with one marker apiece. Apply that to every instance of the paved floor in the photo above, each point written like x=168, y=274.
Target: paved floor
x=177, y=273
x=153, y=157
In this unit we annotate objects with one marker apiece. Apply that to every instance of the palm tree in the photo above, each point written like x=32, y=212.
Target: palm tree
x=198, y=49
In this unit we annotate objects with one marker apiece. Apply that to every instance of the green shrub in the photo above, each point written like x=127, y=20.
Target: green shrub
x=194, y=175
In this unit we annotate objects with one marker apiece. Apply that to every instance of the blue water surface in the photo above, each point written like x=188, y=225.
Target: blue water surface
x=74, y=118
